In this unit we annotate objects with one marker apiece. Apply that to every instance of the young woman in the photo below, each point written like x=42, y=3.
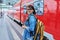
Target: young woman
x=30, y=24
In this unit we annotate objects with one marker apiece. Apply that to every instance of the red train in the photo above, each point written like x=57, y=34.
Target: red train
x=50, y=18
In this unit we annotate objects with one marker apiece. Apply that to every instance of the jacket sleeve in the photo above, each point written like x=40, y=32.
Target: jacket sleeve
x=26, y=23
x=32, y=23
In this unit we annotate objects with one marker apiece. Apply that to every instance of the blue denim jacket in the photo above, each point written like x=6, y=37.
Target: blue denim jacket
x=30, y=23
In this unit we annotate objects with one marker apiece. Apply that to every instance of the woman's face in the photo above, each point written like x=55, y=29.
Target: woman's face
x=29, y=11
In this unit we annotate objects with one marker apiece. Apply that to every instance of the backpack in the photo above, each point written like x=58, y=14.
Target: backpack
x=39, y=30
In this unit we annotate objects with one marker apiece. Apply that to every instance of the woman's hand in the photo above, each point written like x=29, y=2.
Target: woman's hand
x=24, y=27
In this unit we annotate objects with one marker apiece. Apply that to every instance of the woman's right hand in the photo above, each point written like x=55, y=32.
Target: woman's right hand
x=23, y=26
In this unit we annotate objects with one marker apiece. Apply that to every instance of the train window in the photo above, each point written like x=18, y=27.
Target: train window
x=38, y=5
x=24, y=9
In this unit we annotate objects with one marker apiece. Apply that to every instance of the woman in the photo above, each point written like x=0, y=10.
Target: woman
x=29, y=24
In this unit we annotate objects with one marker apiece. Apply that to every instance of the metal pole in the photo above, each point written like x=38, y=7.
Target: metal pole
x=20, y=8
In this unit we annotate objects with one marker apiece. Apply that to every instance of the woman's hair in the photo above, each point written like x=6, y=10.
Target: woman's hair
x=31, y=7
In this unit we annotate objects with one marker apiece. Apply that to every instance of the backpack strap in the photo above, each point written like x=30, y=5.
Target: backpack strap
x=39, y=30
